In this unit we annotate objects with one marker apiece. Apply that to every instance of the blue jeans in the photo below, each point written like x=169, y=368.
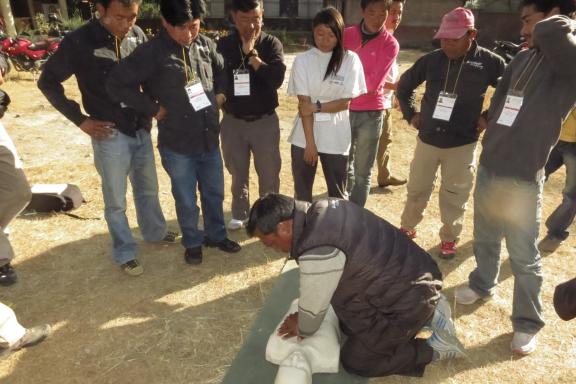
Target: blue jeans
x=117, y=158
x=366, y=128
x=205, y=171
x=564, y=153
x=510, y=209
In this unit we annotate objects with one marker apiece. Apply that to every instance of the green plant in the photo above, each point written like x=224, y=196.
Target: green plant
x=42, y=25
x=149, y=9
x=73, y=22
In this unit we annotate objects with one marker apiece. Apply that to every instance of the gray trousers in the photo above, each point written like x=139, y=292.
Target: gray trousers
x=240, y=140
x=14, y=196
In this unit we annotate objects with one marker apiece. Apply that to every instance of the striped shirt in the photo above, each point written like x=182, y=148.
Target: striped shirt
x=320, y=272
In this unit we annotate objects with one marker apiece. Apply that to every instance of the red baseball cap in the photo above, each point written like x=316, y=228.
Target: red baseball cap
x=455, y=24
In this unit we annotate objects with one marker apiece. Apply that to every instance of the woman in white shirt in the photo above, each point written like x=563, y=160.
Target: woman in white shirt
x=325, y=79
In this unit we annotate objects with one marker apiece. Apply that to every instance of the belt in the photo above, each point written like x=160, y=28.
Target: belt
x=252, y=118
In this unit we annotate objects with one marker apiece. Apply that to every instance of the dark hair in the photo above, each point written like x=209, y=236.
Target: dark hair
x=566, y=7
x=126, y=3
x=330, y=17
x=245, y=5
x=268, y=211
x=178, y=12
x=365, y=3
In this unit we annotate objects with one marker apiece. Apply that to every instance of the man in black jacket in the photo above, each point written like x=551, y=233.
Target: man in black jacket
x=254, y=70
x=457, y=76
x=382, y=286
x=177, y=69
x=120, y=136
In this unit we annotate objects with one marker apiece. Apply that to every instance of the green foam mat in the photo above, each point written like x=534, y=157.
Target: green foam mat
x=250, y=365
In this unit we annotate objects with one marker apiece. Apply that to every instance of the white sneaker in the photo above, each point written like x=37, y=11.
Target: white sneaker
x=445, y=346
x=523, y=343
x=467, y=296
x=235, y=225
x=442, y=318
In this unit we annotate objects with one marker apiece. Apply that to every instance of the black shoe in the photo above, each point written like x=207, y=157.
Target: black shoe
x=225, y=245
x=193, y=255
x=7, y=275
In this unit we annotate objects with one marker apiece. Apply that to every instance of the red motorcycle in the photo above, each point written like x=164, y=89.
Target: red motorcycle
x=26, y=55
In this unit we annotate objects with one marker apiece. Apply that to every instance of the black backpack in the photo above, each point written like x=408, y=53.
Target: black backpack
x=54, y=198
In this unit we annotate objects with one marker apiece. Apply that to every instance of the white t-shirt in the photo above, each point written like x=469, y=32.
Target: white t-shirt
x=6, y=141
x=307, y=79
x=391, y=78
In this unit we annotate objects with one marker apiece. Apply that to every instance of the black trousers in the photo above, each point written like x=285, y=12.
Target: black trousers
x=335, y=172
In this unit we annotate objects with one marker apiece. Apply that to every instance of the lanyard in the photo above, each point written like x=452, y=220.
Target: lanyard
x=457, y=77
x=242, y=65
x=118, y=53
x=524, y=72
x=186, y=69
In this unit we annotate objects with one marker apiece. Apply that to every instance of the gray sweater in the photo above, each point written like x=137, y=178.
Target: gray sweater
x=521, y=150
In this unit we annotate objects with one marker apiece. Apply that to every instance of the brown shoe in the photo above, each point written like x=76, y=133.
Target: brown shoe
x=392, y=181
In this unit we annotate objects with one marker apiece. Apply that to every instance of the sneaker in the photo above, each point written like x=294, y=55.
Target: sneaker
x=549, y=244
x=7, y=275
x=523, y=343
x=235, y=224
x=411, y=233
x=442, y=318
x=170, y=237
x=468, y=296
x=447, y=250
x=445, y=346
x=193, y=256
x=133, y=268
x=225, y=245
x=32, y=337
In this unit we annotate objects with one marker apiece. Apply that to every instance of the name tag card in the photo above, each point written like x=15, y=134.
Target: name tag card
x=444, y=106
x=197, y=96
x=511, y=108
x=241, y=82
x=319, y=117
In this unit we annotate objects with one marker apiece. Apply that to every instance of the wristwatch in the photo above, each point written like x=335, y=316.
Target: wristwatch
x=253, y=52
x=318, y=106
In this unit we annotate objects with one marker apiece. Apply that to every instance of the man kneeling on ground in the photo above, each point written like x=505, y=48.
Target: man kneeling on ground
x=382, y=286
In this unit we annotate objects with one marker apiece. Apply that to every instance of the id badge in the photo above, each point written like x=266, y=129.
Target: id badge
x=241, y=82
x=444, y=106
x=514, y=100
x=197, y=96
x=319, y=117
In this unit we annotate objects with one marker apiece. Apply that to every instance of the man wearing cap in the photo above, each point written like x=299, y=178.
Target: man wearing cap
x=448, y=124
x=534, y=96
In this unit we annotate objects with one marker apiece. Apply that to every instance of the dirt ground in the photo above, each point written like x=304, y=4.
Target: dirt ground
x=183, y=324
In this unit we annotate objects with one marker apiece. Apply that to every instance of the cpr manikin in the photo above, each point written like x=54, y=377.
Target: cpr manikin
x=299, y=359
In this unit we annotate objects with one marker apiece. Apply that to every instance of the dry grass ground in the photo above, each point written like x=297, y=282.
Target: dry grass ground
x=183, y=324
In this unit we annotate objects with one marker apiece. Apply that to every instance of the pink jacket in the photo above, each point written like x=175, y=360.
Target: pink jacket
x=377, y=56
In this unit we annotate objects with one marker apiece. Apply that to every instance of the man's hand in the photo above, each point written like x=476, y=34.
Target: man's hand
x=306, y=108
x=249, y=43
x=160, y=114
x=289, y=327
x=311, y=154
x=482, y=124
x=220, y=100
x=255, y=62
x=415, y=122
x=97, y=129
